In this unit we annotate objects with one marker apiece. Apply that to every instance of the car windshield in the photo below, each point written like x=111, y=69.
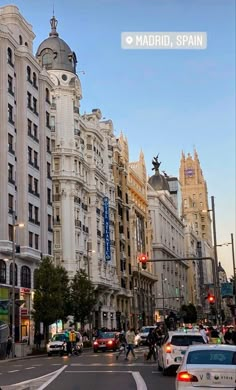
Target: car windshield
x=107, y=335
x=185, y=341
x=58, y=337
x=212, y=357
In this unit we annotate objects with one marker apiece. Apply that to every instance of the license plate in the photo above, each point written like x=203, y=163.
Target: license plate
x=178, y=359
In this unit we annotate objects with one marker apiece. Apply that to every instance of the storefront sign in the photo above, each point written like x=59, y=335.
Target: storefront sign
x=107, y=229
x=25, y=290
x=24, y=312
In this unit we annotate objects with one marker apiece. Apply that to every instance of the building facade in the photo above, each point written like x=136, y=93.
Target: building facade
x=144, y=281
x=168, y=242
x=84, y=197
x=25, y=160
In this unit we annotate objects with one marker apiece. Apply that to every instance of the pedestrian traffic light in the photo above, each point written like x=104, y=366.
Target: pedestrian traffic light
x=143, y=261
x=211, y=299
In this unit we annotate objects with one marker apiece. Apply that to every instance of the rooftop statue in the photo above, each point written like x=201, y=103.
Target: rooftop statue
x=155, y=163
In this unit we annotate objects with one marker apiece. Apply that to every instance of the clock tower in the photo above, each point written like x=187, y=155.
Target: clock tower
x=195, y=196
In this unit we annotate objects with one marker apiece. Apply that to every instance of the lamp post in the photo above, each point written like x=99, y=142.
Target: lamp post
x=163, y=295
x=14, y=225
x=89, y=250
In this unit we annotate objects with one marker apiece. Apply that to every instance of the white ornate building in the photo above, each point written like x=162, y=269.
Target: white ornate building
x=168, y=242
x=25, y=161
x=82, y=179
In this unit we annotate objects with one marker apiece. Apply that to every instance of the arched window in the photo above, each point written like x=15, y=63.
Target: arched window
x=47, y=95
x=47, y=60
x=20, y=40
x=28, y=73
x=3, y=272
x=26, y=44
x=16, y=278
x=34, y=80
x=25, y=277
x=9, y=56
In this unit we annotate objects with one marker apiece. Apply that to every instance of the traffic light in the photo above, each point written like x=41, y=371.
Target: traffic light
x=211, y=299
x=143, y=260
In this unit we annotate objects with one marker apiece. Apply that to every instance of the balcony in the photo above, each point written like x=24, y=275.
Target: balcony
x=77, y=223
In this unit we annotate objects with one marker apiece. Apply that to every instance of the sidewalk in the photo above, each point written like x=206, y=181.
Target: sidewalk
x=23, y=357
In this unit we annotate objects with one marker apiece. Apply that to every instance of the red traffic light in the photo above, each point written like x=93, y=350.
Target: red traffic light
x=143, y=258
x=211, y=298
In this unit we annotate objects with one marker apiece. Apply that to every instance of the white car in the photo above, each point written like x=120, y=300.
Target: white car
x=174, y=347
x=206, y=367
x=58, y=345
x=137, y=340
x=144, y=332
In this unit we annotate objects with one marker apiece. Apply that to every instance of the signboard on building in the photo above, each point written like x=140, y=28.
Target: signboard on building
x=107, y=229
x=226, y=290
x=24, y=312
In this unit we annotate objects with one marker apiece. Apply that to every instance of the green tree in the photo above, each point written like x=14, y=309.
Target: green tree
x=83, y=297
x=51, y=294
x=189, y=313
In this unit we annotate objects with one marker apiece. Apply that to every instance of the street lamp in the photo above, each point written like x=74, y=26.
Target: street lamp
x=14, y=225
x=163, y=295
x=89, y=251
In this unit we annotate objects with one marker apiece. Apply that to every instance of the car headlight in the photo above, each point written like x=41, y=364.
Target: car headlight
x=110, y=342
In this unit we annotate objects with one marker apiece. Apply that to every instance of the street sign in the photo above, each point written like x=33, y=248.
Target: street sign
x=226, y=290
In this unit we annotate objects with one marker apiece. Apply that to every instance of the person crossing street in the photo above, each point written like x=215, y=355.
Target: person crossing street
x=130, y=338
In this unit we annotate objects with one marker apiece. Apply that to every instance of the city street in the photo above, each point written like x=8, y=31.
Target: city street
x=84, y=372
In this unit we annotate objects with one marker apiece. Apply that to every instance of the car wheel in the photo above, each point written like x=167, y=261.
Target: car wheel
x=61, y=353
x=165, y=372
x=159, y=367
x=49, y=354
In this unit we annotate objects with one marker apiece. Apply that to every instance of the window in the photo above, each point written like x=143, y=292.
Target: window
x=48, y=145
x=29, y=127
x=49, y=196
x=203, y=227
x=25, y=277
x=185, y=202
x=200, y=204
x=36, y=215
x=35, y=109
x=28, y=74
x=36, y=241
x=36, y=186
x=29, y=100
x=10, y=203
x=31, y=239
x=49, y=247
x=10, y=114
x=30, y=155
x=35, y=80
x=203, y=219
x=10, y=173
x=16, y=278
x=212, y=357
x=2, y=271
x=35, y=131
x=47, y=60
x=10, y=143
x=49, y=223
x=9, y=56
x=31, y=212
x=30, y=183
x=48, y=119
x=20, y=40
x=10, y=232
x=36, y=159
x=48, y=170
x=10, y=85
x=47, y=96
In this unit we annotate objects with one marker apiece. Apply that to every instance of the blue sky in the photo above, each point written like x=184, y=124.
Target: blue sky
x=164, y=101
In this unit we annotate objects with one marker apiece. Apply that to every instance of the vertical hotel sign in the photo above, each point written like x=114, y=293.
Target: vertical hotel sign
x=107, y=229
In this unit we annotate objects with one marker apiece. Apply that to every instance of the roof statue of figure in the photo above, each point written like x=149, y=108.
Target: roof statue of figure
x=156, y=163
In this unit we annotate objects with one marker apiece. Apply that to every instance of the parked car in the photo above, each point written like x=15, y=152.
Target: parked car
x=106, y=341
x=208, y=367
x=174, y=347
x=144, y=332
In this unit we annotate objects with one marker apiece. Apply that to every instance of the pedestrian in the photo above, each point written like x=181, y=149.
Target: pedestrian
x=123, y=344
x=152, y=341
x=9, y=346
x=130, y=338
x=203, y=334
x=228, y=336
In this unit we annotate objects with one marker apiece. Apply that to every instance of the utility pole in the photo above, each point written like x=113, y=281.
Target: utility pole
x=163, y=296
x=13, y=280
x=234, y=267
x=218, y=294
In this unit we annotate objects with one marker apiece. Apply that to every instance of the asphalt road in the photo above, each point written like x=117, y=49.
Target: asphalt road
x=99, y=371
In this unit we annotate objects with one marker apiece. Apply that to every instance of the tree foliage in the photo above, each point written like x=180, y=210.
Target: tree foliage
x=189, y=313
x=51, y=293
x=82, y=297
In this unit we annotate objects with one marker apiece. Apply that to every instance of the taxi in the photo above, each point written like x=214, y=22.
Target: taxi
x=208, y=367
x=173, y=348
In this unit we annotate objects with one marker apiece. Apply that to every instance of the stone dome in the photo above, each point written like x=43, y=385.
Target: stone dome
x=54, y=53
x=159, y=182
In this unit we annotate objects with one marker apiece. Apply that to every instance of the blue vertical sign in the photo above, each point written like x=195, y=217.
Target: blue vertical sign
x=107, y=229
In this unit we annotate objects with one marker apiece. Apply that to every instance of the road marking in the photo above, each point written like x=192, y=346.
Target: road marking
x=56, y=364
x=13, y=371
x=112, y=365
x=141, y=385
x=58, y=372
x=29, y=368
